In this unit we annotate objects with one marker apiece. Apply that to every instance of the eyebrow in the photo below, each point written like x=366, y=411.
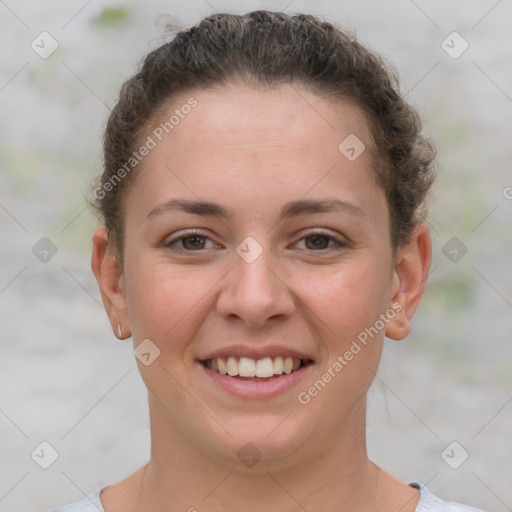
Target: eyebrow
x=291, y=209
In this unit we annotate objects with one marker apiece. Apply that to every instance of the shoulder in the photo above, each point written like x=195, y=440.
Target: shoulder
x=431, y=503
x=90, y=503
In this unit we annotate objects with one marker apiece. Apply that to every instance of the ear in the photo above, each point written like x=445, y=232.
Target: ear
x=409, y=279
x=108, y=273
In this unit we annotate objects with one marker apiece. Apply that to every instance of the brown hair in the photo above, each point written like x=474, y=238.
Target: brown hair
x=268, y=49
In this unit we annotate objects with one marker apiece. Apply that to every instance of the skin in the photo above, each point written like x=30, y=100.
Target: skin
x=252, y=152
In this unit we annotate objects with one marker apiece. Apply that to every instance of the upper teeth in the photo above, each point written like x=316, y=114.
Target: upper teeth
x=248, y=367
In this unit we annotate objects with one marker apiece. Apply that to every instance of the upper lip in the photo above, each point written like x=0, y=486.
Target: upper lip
x=255, y=352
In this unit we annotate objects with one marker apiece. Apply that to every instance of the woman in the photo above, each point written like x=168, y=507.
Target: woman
x=263, y=205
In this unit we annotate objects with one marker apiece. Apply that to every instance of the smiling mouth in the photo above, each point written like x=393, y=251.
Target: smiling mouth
x=246, y=368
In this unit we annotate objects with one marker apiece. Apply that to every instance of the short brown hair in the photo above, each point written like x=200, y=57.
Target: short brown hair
x=268, y=49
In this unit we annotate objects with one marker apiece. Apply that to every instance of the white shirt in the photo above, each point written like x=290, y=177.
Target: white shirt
x=428, y=503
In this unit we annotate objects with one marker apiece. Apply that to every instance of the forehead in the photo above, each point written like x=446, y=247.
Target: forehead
x=255, y=146
x=236, y=125
x=289, y=115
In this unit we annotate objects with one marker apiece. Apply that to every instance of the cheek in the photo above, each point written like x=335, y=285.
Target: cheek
x=164, y=299
x=347, y=306
x=349, y=298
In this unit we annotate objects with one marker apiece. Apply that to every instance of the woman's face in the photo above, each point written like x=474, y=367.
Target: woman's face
x=251, y=233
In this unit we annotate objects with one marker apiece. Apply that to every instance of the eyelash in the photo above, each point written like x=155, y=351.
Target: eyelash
x=195, y=233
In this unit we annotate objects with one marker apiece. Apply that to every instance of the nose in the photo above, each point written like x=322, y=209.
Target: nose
x=255, y=292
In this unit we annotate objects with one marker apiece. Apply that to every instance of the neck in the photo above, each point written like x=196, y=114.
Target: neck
x=334, y=475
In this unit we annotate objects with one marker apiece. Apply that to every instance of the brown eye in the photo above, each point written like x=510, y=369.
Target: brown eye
x=195, y=242
x=318, y=241
x=189, y=242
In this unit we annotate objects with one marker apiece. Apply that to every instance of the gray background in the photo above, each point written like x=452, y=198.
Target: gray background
x=66, y=380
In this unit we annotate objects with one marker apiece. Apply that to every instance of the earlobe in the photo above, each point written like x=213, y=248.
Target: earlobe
x=410, y=275
x=108, y=273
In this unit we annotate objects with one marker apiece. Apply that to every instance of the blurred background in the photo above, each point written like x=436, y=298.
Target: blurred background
x=441, y=405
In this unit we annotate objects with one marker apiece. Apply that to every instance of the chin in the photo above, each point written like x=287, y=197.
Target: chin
x=260, y=442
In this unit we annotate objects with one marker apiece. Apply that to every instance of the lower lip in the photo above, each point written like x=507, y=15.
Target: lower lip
x=255, y=389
